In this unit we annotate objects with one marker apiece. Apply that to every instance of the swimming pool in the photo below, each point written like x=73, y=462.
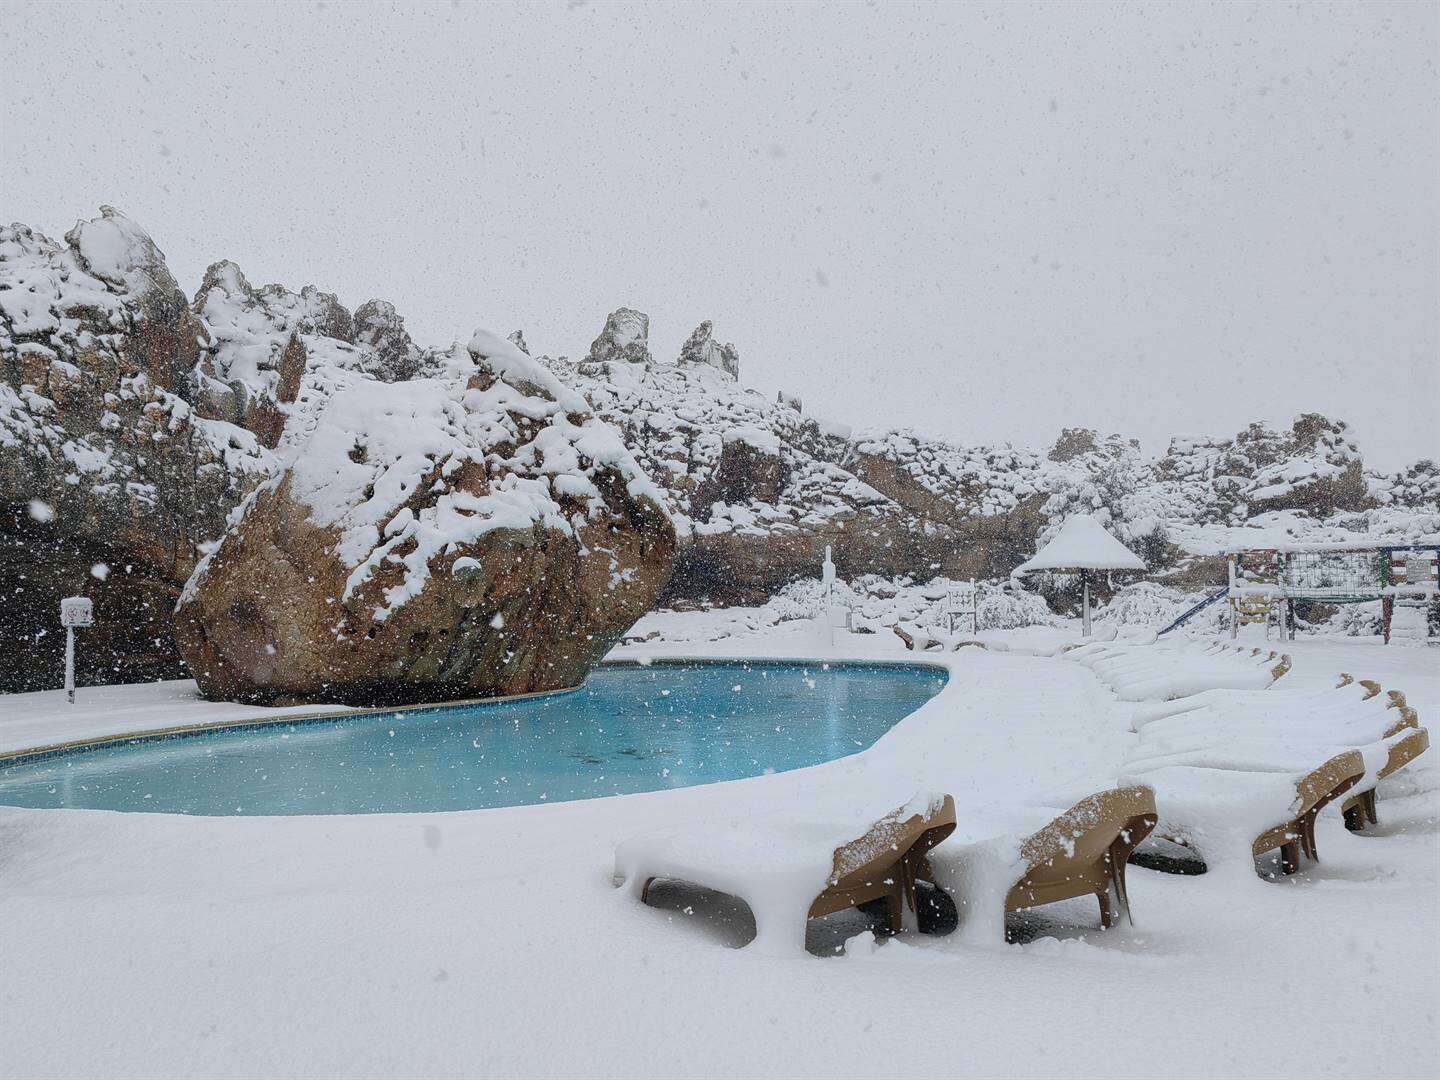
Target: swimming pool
x=630, y=728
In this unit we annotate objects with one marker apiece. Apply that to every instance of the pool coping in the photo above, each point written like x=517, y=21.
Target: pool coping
x=30, y=755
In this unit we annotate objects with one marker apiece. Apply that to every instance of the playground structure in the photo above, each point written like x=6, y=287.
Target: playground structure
x=1265, y=583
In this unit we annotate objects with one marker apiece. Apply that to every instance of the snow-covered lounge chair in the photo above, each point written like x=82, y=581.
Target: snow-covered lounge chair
x=1247, y=734
x=1221, y=813
x=1083, y=852
x=928, y=639
x=1162, y=671
x=1359, y=809
x=791, y=870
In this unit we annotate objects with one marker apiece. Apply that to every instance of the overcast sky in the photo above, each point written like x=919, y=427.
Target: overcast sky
x=982, y=222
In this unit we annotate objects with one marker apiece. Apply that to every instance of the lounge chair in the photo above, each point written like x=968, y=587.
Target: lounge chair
x=1359, y=809
x=771, y=865
x=1247, y=734
x=1313, y=791
x=1203, y=805
x=1083, y=852
x=1164, y=671
x=921, y=639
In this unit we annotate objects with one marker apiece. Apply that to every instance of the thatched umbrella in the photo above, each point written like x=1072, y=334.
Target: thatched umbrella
x=1082, y=545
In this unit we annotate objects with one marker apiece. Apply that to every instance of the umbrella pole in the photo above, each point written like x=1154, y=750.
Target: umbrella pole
x=1085, y=603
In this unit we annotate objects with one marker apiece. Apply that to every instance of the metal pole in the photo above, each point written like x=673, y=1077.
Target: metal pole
x=1085, y=607
x=70, y=663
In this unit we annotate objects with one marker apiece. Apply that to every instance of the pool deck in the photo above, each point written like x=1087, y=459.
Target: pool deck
x=160, y=944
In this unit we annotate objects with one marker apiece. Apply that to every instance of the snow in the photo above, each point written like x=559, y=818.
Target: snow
x=766, y=442
x=495, y=941
x=1082, y=544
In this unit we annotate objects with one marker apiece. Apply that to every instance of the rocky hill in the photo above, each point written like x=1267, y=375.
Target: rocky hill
x=134, y=421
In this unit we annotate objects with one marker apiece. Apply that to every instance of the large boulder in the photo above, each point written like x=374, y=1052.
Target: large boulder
x=379, y=325
x=471, y=535
x=625, y=339
x=1316, y=469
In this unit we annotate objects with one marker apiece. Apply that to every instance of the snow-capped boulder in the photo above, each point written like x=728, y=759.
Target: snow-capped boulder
x=626, y=338
x=1416, y=486
x=750, y=468
x=466, y=536
x=120, y=253
x=263, y=342
x=379, y=326
x=702, y=348
x=1316, y=468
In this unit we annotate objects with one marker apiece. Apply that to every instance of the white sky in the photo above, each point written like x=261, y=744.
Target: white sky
x=984, y=223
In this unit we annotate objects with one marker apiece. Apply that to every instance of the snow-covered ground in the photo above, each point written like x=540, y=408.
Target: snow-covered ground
x=494, y=943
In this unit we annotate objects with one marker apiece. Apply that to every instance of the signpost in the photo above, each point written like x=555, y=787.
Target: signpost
x=75, y=611
x=827, y=582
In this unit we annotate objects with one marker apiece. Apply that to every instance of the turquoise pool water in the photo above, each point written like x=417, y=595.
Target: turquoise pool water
x=628, y=729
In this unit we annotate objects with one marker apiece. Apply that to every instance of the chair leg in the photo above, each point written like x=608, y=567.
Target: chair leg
x=895, y=908
x=1368, y=801
x=1307, y=835
x=1109, y=905
x=1355, y=816
x=1118, y=857
x=1290, y=857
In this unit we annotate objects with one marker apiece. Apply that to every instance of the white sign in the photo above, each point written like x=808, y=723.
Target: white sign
x=960, y=601
x=76, y=611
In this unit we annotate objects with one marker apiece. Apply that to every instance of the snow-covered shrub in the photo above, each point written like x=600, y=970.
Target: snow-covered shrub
x=805, y=598
x=1152, y=543
x=1002, y=608
x=880, y=603
x=1148, y=604
x=1356, y=620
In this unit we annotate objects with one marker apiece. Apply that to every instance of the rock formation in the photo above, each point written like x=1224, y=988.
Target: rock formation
x=702, y=348
x=134, y=422
x=104, y=462
x=625, y=339
x=379, y=325
x=457, y=537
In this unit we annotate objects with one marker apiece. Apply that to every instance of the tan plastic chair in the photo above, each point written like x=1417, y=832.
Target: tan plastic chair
x=1315, y=790
x=885, y=863
x=1083, y=852
x=1360, y=809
